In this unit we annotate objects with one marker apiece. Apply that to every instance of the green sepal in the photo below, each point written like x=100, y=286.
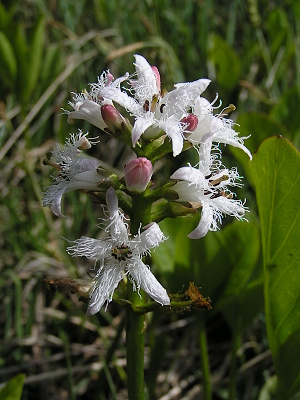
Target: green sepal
x=170, y=209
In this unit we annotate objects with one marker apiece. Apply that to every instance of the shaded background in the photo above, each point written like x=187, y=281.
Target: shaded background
x=48, y=49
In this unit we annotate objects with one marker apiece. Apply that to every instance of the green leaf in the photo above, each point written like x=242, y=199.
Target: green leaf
x=52, y=65
x=242, y=292
x=226, y=62
x=240, y=310
x=13, y=389
x=8, y=69
x=224, y=264
x=21, y=52
x=4, y=17
x=35, y=55
x=176, y=250
x=276, y=169
x=286, y=112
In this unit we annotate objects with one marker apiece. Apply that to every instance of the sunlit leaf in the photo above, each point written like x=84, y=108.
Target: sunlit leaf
x=13, y=389
x=276, y=169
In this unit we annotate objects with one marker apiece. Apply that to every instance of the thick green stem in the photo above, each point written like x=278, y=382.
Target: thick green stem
x=135, y=322
x=135, y=342
x=206, y=378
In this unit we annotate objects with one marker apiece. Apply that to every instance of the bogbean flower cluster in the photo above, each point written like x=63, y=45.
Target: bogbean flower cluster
x=153, y=123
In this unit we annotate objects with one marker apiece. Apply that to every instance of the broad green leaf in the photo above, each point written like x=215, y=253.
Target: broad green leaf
x=276, y=169
x=13, y=389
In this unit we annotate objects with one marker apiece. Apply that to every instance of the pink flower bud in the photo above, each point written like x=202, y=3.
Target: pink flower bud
x=112, y=117
x=157, y=76
x=138, y=173
x=192, y=122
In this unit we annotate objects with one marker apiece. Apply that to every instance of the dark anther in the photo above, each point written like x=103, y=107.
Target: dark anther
x=146, y=106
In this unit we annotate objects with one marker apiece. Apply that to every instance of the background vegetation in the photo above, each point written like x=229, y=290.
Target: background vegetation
x=251, y=52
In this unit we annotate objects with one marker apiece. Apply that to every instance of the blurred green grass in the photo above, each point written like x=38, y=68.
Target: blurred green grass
x=249, y=50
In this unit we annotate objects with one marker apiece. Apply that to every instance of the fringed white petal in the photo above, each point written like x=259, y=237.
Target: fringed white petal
x=103, y=289
x=174, y=131
x=233, y=140
x=179, y=100
x=148, y=239
x=208, y=125
x=192, y=175
x=206, y=223
x=90, y=248
x=183, y=173
x=232, y=207
x=204, y=151
x=112, y=201
x=202, y=108
x=122, y=98
x=53, y=196
x=186, y=192
x=116, y=83
x=146, y=280
x=141, y=124
x=89, y=111
x=117, y=226
x=145, y=86
x=86, y=180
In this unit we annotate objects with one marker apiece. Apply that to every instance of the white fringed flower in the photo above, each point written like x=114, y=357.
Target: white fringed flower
x=119, y=255
x=217, y=126
x=87, y=106
x=74, y=171
x=153, y=111
x=207, y=186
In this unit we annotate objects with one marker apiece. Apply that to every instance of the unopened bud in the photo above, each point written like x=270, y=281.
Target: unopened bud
x=112, y=117
x=191, y=121
x=137, y=174
x=157, y=76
